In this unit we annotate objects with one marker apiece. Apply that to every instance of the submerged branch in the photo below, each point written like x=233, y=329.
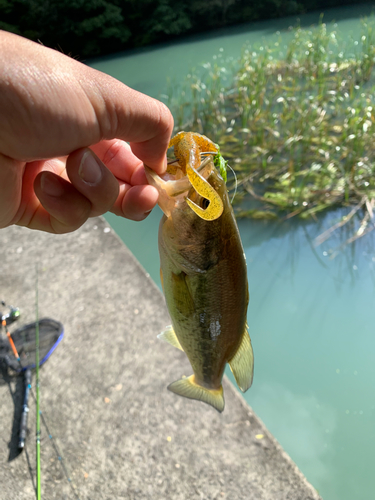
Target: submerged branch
x=326, y=234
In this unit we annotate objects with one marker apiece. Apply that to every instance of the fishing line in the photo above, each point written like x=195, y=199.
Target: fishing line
x=172, y=160
x=233, y=172
x=235, y=182
x=56, y=450
x=38, y=411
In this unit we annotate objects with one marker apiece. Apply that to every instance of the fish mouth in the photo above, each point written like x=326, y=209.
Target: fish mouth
x=174, y=188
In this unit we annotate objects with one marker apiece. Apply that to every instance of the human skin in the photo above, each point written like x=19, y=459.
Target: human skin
x=73, y=141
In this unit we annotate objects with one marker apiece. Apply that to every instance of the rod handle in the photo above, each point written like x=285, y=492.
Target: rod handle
x=25, y=410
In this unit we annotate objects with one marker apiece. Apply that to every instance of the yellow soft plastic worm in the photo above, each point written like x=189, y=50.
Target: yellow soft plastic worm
x=188, y=147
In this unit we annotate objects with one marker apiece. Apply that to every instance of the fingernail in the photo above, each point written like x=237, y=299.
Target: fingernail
x=89, y=169
x=51, y=185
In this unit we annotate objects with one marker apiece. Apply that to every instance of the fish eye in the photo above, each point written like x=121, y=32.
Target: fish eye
x=204, y=203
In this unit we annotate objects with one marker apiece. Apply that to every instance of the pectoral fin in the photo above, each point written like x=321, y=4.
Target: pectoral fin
x=169, y=336
x=242, y=363
x=183, y=299
x=188, y=388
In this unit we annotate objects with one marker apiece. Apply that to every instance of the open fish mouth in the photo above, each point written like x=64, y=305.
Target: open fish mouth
x=174, y=186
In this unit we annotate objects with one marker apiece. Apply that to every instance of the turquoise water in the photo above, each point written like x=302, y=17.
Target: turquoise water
x=311, y=318
x=311, y=321
x=149, y=69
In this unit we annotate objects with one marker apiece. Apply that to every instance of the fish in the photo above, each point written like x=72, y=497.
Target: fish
x=203, y=272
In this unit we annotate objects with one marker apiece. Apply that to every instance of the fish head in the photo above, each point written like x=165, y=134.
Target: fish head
x=176, y=191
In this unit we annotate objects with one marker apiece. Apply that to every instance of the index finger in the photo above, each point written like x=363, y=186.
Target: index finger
x=52, y=105
x=124, y=113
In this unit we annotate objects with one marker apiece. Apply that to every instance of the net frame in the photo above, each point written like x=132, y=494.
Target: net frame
x=51, y=333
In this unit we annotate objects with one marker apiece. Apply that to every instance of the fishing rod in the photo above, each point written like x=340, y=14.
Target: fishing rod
x=38, y=470
x=19, y=355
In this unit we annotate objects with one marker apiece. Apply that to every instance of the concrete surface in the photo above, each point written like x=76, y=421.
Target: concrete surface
x=103, y=392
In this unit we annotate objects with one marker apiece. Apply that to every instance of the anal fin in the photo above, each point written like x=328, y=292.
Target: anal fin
x=188, y=388
x=242, y=363
x=169, y=336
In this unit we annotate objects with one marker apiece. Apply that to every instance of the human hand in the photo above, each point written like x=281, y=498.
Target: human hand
x=52, y=109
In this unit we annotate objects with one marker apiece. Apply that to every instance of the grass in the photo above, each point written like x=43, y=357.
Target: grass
x=296, y=123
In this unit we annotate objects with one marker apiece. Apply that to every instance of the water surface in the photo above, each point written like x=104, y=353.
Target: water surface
x=147, y=70
x=311, y=318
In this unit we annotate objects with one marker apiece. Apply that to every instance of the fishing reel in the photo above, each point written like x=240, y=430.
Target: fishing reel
x=11, y=316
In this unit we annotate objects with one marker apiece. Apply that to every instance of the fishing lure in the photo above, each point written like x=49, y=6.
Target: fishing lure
x=188, y=147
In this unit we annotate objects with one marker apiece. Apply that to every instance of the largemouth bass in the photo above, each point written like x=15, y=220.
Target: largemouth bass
x=203, y=272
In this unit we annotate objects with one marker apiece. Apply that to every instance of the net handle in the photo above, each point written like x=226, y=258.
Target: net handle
x=4, y=324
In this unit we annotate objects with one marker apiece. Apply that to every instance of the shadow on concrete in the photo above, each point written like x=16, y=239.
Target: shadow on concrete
x=16, y=388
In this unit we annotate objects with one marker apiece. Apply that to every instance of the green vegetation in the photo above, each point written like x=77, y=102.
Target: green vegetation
x=80, y=28
x=88, y=28
x=221, y=164
x=296, y=123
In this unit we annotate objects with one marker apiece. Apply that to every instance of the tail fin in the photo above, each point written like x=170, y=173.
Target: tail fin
x=188, y=388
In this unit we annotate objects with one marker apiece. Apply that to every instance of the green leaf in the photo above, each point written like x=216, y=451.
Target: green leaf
x=221, y=164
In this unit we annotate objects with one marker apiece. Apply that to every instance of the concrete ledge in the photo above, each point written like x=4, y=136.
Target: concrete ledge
x=103, y=392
